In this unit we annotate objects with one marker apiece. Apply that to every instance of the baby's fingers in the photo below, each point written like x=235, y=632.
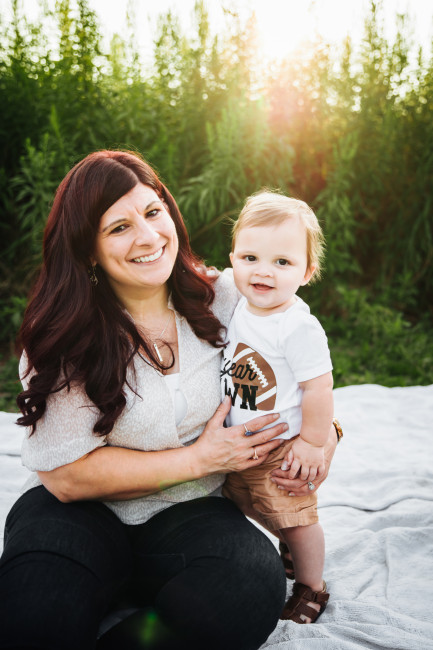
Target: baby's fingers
x=287, y=461
x=294, y=468
x=321, y=470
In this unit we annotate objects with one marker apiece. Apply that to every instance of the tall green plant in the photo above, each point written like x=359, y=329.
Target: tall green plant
x=348, y=130
x=241, y=159
x=34, y=188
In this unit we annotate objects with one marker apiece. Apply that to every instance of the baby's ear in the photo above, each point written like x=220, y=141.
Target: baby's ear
x=231, y=258
x=308, y=275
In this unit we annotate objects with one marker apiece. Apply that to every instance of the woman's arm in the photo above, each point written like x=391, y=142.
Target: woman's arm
x=116, y=473
x=299, y=487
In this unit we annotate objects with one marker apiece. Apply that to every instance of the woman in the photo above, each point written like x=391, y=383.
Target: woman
x=122, y=341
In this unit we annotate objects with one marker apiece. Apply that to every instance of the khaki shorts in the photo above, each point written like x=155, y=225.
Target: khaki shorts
x=275, y=509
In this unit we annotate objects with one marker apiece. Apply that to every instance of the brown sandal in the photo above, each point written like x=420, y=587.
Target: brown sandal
x=287, y=563
x=298, y=604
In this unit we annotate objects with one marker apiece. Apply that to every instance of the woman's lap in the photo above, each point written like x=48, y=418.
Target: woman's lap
x=209, y=576
x=228, y=564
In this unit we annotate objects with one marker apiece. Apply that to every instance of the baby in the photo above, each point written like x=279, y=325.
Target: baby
x=277, y=360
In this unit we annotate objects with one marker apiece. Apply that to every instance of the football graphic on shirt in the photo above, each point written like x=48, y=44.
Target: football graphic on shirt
x=255, y=379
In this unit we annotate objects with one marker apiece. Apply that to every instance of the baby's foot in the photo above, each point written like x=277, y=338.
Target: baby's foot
x=305, y=605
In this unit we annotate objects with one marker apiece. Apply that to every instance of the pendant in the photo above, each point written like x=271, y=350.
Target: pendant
x=158, y=352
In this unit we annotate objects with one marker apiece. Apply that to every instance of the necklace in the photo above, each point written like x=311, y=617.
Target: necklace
x=159, y=337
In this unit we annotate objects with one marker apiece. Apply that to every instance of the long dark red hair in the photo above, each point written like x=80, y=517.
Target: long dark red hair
x=74, y=331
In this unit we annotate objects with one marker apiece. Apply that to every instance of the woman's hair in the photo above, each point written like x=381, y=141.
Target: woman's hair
x=74, y=331
x=271, y=209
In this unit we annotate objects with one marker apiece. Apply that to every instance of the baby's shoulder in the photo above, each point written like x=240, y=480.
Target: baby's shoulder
x=299, y=322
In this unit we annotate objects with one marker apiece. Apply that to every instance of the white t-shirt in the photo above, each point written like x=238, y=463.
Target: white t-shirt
x=265, y=360
x=177, y=396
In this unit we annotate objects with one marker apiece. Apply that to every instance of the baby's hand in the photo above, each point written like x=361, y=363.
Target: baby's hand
x=306, y=459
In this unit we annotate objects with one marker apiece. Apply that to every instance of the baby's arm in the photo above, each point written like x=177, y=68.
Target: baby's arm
x=307, y=452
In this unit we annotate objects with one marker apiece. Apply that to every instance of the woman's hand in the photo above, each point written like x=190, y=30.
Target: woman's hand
x=228, y=449
x=299, y=487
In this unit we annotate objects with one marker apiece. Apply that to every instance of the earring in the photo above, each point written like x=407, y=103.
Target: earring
x=92, y=275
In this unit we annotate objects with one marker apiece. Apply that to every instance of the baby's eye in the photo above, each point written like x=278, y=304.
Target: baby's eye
x=250, y=258
x=282, y=262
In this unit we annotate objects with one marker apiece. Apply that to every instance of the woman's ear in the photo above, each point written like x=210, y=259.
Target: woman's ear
x=308, y=275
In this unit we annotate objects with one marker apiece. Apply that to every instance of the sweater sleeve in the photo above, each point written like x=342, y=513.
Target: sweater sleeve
x=226, y=296
x=65, y=431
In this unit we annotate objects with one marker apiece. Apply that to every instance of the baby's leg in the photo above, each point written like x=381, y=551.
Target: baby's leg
x=307, y=548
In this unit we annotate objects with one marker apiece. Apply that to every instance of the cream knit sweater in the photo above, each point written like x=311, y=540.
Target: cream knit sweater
x=65, y=433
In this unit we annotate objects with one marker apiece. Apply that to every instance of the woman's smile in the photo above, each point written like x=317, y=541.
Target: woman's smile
x=149, y=258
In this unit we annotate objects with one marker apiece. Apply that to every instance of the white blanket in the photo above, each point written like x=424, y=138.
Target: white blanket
x=377, y=511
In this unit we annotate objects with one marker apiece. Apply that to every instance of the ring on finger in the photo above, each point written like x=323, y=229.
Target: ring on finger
x=255, y=457
x=247, y=431
x=311, y=485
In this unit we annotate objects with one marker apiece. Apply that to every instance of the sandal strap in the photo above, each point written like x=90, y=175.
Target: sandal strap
x=298, y=603
x=306, y=593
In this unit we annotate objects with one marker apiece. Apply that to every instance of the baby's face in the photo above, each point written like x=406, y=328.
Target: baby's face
x=270, y=264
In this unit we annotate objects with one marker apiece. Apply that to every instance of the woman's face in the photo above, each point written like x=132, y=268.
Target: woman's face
x=136, y=244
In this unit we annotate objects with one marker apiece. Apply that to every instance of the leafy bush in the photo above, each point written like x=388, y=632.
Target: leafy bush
x=10, y=384
x=373, y=343
x=349, y=130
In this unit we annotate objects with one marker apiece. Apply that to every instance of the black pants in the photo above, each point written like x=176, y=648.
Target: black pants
x=201, y=575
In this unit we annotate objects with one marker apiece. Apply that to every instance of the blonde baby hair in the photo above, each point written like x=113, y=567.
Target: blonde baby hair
x=268, y=208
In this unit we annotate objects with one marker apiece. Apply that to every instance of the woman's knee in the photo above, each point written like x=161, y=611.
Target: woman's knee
x=49, y=601
x=232, y=591
x=60, y=567
x=256, y=585
x=250, y=557
x=84, y=532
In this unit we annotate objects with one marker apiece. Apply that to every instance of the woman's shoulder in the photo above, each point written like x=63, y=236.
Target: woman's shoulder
x=226, y=295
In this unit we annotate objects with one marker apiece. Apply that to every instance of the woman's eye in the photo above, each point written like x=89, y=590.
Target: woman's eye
x=120, y=228
x=282, y=262
x=152, y=213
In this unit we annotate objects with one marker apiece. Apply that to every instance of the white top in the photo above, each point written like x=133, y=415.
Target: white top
x=177, y=397
x=65, y=432
x=265, y=360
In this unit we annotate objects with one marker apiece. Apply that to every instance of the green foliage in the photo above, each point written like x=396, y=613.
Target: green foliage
x=350, y=131
x=11, y=315
x=336, y=211
x=10, y=384
x=33, y=187
x=373, y=343
x=241, y=159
